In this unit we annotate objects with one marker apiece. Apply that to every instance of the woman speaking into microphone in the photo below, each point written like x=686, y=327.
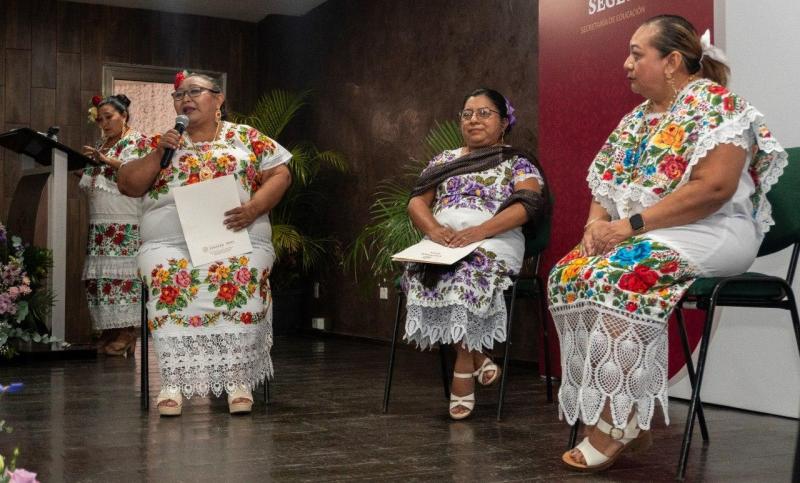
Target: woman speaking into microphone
x=212, y=323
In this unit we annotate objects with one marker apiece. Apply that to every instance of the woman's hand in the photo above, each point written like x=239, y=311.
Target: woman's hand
x=442, y=235
x=468, y=235
x=94, y=154
x=241, y=217
x=606, y=235
x=169, y=140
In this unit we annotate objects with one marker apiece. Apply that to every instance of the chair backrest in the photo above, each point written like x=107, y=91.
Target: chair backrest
x=785, y=200
x=536, y=241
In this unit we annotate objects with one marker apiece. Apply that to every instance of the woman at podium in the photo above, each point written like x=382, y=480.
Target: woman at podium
x=211, y=322
x=113, y=289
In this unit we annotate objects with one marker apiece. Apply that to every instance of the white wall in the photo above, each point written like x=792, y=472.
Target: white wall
x=753, y=361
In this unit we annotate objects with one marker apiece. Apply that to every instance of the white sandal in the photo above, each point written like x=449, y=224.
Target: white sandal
x=467, y=401
x=169, y=395
x=631, y=437
x=240, y=407
x=488, y=365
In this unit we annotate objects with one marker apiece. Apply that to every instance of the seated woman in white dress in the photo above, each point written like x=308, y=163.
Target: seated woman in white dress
x=212, y=324
x=485, y=191
x=679, y=192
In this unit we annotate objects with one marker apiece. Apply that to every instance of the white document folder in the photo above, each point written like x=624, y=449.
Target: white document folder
x=201, y=209
x=428, y=251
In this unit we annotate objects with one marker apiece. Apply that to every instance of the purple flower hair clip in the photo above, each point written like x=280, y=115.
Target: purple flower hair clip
x=510, y=113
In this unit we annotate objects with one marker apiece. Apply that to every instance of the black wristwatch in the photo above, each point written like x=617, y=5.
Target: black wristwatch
x=637, y=223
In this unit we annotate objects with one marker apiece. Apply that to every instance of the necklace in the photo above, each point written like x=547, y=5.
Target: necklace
x=191, y=143
x=108, y=144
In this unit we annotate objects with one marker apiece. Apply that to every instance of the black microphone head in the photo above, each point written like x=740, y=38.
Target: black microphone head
x=181, y=122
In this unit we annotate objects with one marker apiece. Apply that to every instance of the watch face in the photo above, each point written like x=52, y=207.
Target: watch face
x=636, y=221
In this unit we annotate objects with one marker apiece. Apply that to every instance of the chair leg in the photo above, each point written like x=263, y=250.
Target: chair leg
x=793, y=311
x=573, y=435
x=266, y=390
x=687, y=353
x=545, y=340
x=144, y=363
x=504, y=373
x=445, y=369
x=701, y=366
x=390, y=370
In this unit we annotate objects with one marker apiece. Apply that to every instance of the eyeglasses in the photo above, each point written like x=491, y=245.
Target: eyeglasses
x=483, y=113
x=192, y=93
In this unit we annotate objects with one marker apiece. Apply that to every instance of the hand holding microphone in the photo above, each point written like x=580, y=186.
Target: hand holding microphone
x=171, y=140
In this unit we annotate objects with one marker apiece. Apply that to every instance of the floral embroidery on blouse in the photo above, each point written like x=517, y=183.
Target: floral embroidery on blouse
x=653, y=153
x=224, y=156
x=133, y=145
x=113, y=239
x=484, y=191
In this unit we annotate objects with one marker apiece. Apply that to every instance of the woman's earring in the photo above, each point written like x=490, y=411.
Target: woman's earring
x=218, y=115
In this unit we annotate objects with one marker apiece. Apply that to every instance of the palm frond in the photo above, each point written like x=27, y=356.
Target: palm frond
x=274, y=110
x=390, y=229
x=443, y=136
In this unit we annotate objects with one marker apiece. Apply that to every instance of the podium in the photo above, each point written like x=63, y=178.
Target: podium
x=44, y=162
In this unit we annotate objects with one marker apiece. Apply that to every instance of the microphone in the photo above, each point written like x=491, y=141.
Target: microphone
x=180, y=125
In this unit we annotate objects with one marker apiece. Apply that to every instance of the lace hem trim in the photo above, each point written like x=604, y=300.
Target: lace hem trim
x=426, y=326
x=101, y=183
x=628, y=369
x=116, y=316
x=214, y=361
x=110, y=267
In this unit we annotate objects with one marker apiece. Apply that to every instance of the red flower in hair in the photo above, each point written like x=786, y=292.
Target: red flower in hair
x=96, y=100
x=179, y=77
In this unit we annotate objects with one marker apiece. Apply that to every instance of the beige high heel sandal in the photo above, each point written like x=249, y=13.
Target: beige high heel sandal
x=631, y=437
x=467, y=402
x=240, y=407
x=169, y=395
x=488, y=365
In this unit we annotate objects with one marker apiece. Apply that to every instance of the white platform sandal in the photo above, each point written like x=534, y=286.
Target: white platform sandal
x=169, y=395
x=488, y=365
x=240, y=407
x=467, y=401
x=631, y=437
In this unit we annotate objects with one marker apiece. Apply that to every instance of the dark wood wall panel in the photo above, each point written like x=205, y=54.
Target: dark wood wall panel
x=44, y=21
x=18, y=86
x=51, y=58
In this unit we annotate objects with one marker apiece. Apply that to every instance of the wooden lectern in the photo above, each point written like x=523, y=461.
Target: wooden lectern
x=44, y=161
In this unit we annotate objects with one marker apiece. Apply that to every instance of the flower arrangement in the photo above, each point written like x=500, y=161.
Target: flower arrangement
x=9, y=473
x=93, y=104
x=24, y=301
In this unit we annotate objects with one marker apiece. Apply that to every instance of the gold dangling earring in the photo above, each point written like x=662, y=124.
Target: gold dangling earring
x=218, y=115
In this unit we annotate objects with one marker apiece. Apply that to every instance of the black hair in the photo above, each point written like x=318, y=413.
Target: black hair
x=120, y=103
x=499, y=101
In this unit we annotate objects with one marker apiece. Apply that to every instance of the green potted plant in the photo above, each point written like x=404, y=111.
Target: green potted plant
x=299, y=249
x=390, y=229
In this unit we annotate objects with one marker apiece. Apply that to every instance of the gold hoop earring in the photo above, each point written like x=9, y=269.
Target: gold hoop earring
x=218, y=115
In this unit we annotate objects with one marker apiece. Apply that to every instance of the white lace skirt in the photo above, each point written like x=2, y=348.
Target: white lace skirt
x=211, y=324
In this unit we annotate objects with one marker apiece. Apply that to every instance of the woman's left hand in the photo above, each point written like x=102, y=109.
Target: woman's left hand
x=609, y=235
x=466, y=236
x=241, y=217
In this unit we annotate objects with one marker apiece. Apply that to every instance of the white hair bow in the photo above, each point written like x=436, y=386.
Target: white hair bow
x=711, y=50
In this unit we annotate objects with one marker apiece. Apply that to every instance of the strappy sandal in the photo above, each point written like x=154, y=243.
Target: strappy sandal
x=240, y=407
x=488, y=365
x=632, y=439
x=169, y=395
x=467, y=402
